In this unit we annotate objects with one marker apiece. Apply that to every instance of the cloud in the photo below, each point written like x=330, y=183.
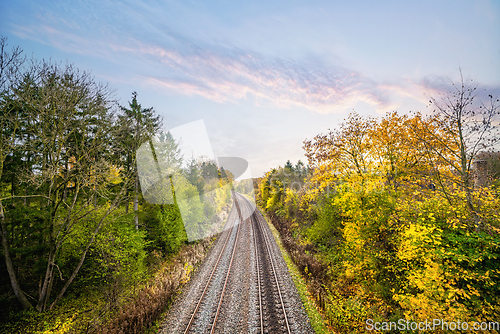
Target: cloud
x=63, y=40
x=178, y=63
x=444, y=89
x=227, y=75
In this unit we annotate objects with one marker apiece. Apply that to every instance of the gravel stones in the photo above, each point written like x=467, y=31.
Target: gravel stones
x=239, y=310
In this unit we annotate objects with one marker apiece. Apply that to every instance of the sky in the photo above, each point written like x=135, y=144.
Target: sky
x=266, y=75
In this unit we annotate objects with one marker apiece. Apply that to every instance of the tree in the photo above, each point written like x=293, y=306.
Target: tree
x=288, y=168
x=10, y=65
x=67, y=133
x=168, y=151
x=462, y=126
x=395, y=149
x=159, y=164
x=342, y=153
x=301, y=169
x=138, y=125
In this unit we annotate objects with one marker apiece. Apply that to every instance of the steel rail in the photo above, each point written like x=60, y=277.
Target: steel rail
x=258, y=280
x=230, y=265
x=209, y=279
x=268, y=248
x=259, y=225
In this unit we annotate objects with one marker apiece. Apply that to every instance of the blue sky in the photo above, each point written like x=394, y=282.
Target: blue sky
x=265, y=75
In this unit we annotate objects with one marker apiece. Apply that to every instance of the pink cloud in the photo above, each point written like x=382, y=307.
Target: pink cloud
x=229, y=75
x=225, y=74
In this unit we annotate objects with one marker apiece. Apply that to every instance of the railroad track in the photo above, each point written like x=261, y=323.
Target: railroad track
x=245, y=265
x=273, y=313
x=237, y=222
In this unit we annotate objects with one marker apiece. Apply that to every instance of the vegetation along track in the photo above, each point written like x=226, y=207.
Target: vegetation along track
x=243, y=286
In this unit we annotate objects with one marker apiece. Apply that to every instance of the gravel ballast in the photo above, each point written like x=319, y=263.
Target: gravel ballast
x=239, y=310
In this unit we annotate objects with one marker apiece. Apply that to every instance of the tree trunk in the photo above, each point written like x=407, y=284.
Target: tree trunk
x=72, y=277
x=65, y=191
x=49, y=289
x=45, y=292
x=136, y=203
x=10, y=268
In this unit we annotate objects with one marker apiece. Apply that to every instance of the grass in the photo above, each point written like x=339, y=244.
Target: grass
x=314, y=315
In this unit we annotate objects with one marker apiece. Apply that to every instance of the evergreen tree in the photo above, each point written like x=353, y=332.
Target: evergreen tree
x=137, y=125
